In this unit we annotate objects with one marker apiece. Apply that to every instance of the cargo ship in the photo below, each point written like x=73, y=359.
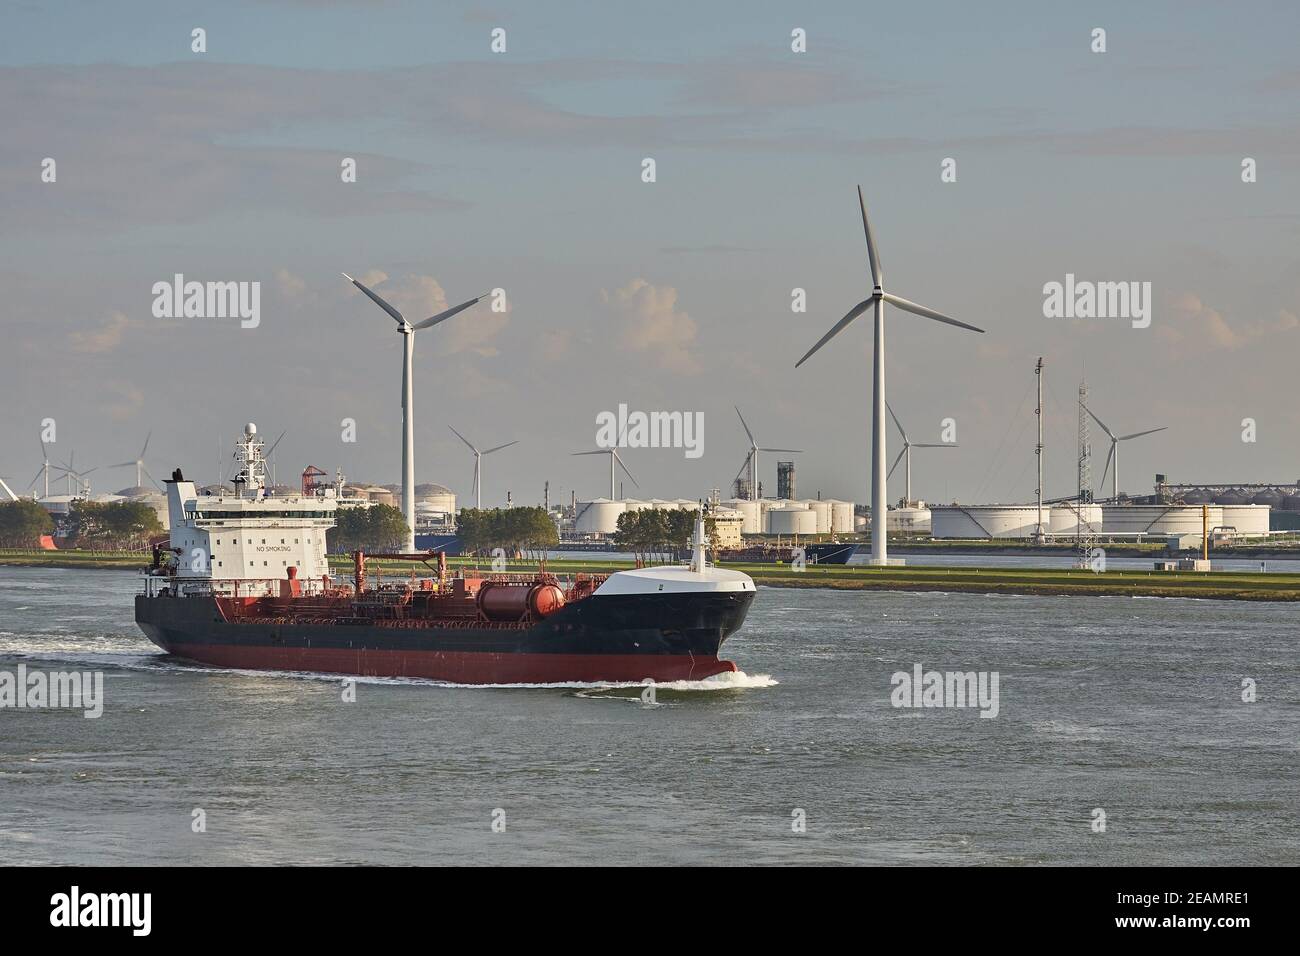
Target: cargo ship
x=245, y=583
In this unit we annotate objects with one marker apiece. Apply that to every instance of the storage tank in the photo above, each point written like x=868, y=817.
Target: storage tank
x=1246, y=519
x=908, y=520
x=438, y=498
x=822, y=509
x=985, y=521
x=1157, y=519
x=749, y=508
x=633, y=504
x=1064, y=518
x=659, y=504
x=598, y=516
x=793, y=519
x=841, y=517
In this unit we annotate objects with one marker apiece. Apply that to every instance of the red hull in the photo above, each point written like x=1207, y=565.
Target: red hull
x=465, y=668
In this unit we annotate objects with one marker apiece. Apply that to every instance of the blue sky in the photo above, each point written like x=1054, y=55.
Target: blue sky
x=521, y=170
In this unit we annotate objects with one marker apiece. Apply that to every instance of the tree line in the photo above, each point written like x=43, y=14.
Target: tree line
x=22, y=523
x=514, y=530
x=649, y=531
x=107, y=526
x=376, y=528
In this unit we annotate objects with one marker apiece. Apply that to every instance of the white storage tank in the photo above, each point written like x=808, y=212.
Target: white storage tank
x=1157, y=519
x=598, y=516
x=822, y=509
x=749, y=509
x=439, y=498
x=792, y=519
x=633, y=504
x=841, y=517
x=985, y=521
x=659, y=504
x=1065, y=517
x=908, y=520
x=1246, y=519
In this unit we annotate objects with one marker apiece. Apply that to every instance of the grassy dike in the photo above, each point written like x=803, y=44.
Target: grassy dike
x=1133, y=583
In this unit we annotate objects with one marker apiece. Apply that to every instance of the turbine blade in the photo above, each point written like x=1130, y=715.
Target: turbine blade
x=1102, y=483
x=746, y=426
x=623, y=466
x=152, y=479
x=377, y=300
x=936, y=444
x=40, y=471
x=464, y=439
x=603, y=451
x=896, y=461
x=1150, y=431
x=873, y=257
x=788, y=451
x=122, y=464
x=1108, y=432
x=896, y=422
x=145, y=449
x=443, y=316
x=909, y=306
x=854, y=312
x=745, y=465
x=271, y=452
x=499, y=447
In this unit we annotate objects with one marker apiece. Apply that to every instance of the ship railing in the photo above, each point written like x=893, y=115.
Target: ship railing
x=158, y=585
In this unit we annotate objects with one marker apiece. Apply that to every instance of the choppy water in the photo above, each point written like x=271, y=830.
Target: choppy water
x=1130, y=705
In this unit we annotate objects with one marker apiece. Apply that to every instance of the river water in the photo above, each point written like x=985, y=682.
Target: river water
x=1131, y=707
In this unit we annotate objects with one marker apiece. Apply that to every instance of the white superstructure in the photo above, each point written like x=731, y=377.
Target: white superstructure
x=250, y=538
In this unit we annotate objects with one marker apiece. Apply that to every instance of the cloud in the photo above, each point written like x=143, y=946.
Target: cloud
x=291, y=286
x=419, y=296
x=104, y=339
x=555, y=344
x=1195, y=324
x=127, y=400
x=653, y=324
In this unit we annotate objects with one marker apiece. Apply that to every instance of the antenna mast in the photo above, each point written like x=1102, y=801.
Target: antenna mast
x=1040, y=534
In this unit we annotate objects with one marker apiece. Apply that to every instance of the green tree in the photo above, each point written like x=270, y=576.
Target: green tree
x=22, y=523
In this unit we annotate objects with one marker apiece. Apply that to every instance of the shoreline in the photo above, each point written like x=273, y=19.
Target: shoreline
x=1214, y=585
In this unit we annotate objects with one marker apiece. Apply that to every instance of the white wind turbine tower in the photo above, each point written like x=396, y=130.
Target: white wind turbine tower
x=478, y=468
x=752, y=459
x=45, y=470
x=613, y=457
x=1114, y=451
x=876, y=301
x=138, y=463
x=408, y=331
x=906, y=453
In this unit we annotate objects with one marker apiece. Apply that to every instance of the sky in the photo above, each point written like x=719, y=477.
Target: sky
x=522, y=170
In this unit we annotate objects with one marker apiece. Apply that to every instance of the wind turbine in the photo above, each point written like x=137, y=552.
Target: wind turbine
x=1114, y=451
x=138, y=463
x=408, y=331
x=45, y=470
x=613, y=457
x=752, y=459
x=478, y=469
x=70, y=473
x=908, y=445
x=876, y=301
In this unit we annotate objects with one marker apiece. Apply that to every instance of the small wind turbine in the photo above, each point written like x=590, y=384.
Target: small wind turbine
x=613, y=457
x=71, y=474
x=408, y=331
x=478, y=469
x=1114, y=451
x=752, y=459
x=140, y=470
x=45, y=470
x=906, y=453
x=876, y=301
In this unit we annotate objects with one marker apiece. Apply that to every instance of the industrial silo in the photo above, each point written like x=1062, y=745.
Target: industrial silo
x=749, y=509
x=790, y=520
x=598, y=516
x=841, y=516
x=822, y=509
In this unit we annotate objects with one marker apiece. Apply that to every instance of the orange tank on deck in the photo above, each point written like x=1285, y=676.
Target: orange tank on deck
x=511, y=602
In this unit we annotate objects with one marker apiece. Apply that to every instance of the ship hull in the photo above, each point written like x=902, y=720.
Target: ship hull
x=619, y=638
